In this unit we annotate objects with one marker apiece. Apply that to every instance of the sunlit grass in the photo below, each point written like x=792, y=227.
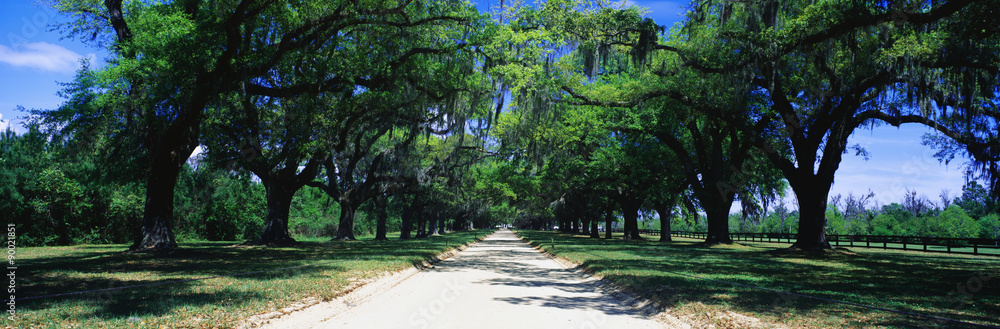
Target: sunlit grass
x=675, y=274
x=219, y=302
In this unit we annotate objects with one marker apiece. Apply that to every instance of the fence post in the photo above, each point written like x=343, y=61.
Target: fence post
x=904, y=243
x=949, y=245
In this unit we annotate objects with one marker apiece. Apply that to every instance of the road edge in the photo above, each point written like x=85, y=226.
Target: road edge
x=645, y=306
x=355, y=293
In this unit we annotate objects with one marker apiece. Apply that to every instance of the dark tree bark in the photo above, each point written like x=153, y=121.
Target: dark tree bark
x=432, y=222
x=585, y=224
x=630, y=216
x=158, y=213
x=812, y=219
x=630, y=202
x=441, y=228
x=421, y=224
x=281, y=185
x=381, y=216
x=345, y=230
x=593, y=229
x=609, y=218
x=406, y=227
x=279, y=201
x=666, y=213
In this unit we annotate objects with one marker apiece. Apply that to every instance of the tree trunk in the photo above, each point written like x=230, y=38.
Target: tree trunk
x=609, y=218
x=630, y=218
x=461, y=221
x=666, y=213
x=380, y=211
x=441, y=229
x=345, y=231
x=421, y=224
x=585, y=224
x=812, y=197
x=279, y=200
x=718, y=225
x=158, y=214
x=406, y=217
x=432, y=222
x=716, y=202
x=593, y=229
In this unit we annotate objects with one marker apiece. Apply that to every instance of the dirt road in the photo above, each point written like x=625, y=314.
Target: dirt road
x=498, y=283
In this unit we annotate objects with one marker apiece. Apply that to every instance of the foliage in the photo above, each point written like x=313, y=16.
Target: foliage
x=688, y=277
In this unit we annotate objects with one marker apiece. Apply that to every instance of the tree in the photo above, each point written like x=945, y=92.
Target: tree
x=974, y=200
x=989, y=226
x=825, y=69
x=173, y=60
x=953, y=222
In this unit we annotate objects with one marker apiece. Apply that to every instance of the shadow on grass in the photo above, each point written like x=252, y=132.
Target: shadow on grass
x=107, y=269
x=676, y=273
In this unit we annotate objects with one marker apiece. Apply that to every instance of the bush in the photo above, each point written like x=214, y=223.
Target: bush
x=989, y=226
x=953, y=222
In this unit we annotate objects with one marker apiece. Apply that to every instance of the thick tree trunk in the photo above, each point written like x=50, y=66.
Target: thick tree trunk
x=421, y=224
x=718, y=225
x=630, y=225
x=630, y=218
x=812, y=197
x=666, y=213
x=585, y=224
x=593, y=229
x=432, y=222
x=441, y=228
x=345, y=231
x=461, y=221
x=406, y=217
x=381, y=216
x=158, y=214
x=574, y=223
x=609, y=218
x=716, y=203
x=279, y=201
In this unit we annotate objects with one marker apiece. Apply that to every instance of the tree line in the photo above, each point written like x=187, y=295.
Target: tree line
x=559, y=113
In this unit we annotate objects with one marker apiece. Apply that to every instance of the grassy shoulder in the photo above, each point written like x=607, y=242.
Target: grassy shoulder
x=218, y=302
x=676, y=274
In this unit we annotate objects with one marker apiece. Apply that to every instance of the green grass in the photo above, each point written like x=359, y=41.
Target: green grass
x=674, y=275
x=210, y=303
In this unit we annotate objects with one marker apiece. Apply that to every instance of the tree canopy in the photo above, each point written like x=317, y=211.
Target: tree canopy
x=345, y=117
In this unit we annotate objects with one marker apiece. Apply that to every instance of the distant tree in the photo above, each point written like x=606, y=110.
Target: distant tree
x=918, y=205
x=975, y=200
x=989, y=226
x=953, y=222
x=885, y=224
x=895, y=220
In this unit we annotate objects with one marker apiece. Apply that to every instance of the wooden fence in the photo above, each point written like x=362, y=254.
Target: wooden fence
x=917, y=243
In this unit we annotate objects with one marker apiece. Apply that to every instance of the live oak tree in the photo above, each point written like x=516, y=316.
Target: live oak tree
x=173, y=60
x=825, y=70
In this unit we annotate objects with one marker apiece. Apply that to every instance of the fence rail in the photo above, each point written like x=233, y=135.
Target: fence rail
x=916, y=243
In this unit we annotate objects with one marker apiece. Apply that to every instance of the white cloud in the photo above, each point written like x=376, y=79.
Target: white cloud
x=4, y=124
x=43, y=56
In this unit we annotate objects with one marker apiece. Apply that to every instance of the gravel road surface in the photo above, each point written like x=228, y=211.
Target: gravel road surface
x=500, y=282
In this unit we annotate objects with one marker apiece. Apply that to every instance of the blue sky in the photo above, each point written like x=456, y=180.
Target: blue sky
x=33, y=60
